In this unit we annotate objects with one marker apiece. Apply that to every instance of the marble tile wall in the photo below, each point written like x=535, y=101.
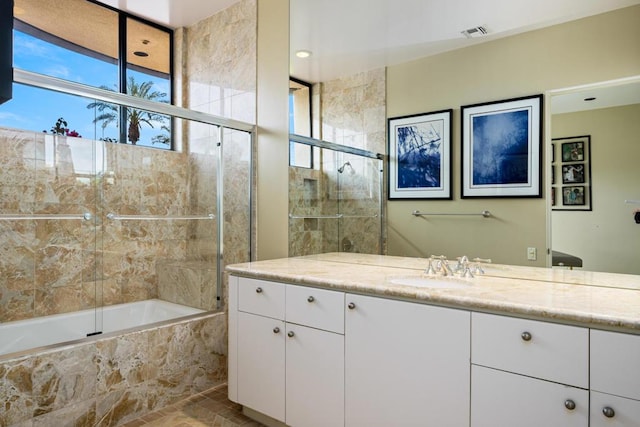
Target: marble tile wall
x=219, y=63
x=349, y=111
x=110, y=381
x=58, y=266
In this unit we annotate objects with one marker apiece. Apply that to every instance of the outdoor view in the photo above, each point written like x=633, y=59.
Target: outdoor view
x=47, y=111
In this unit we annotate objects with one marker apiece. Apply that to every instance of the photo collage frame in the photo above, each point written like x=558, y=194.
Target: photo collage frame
x=571, y=173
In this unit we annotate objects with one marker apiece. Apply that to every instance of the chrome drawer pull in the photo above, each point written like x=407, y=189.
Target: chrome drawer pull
x=608, y=412
x=290, y=334
x=311, y=299
x=276, y=330
x=351, y=306
x=570, y=404
x=526, y=336
x=258, y=290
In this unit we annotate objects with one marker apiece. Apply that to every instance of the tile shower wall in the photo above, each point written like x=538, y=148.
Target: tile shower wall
x=349, y=111
x=219, y=60
x=113, y=380
x=58, y=266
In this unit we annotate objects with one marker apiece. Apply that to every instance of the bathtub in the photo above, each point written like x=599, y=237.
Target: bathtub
x=59, y=328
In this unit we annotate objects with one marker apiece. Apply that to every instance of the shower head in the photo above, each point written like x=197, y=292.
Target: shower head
x=352, y=171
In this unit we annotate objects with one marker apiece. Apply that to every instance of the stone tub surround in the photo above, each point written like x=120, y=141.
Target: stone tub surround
x=582, y=298
x=111, y=380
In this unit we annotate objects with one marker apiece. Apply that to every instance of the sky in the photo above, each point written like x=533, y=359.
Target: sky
x=38, y=109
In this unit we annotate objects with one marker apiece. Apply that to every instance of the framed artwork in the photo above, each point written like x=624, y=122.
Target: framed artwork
x=501, y=146
x=571, y=156
x=420, y=156
x=573, y=195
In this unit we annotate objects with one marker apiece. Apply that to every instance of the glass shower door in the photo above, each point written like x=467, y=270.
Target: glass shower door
x=335, y=204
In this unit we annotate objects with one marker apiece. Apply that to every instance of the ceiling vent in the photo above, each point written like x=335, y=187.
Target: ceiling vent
x=474, y=32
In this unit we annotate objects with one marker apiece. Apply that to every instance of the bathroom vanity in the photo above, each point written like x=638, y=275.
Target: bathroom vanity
x=366, y=340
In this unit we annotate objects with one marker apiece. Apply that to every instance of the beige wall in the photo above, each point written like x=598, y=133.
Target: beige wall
x=273, y=128
x=599, y=48
x=606, y=238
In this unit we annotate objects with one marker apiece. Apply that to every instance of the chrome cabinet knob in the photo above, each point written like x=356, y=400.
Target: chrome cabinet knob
x=258, y=290
x=311, y=299
x=608, y=412
x=570, y=404
x=290, y=334
x=276, y=330
x=526, y=336
x=351, y=305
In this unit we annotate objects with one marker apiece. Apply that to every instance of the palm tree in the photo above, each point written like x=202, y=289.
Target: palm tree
x=109, y=113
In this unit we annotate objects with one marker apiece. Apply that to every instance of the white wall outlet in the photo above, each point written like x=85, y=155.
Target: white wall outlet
x=532, y=254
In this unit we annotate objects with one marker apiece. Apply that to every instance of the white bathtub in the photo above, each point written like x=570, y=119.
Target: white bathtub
x=47, y=330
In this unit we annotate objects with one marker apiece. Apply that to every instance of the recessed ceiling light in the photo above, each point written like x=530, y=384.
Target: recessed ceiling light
x=140, y=53
x=303, y=54
x=591, y=98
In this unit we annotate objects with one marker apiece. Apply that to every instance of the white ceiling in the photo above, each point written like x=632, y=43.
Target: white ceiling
x=351, y=36
x=348, y=36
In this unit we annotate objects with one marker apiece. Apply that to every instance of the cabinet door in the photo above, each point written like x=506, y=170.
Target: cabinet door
x=615, y=363
x=315, y=377
x=614, y=411
x=261, y=364
x=501, y=398
x=405, y=364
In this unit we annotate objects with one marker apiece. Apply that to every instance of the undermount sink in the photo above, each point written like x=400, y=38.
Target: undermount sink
x=430, y=282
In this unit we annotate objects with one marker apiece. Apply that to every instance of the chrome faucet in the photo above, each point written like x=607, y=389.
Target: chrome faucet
x=439, y=266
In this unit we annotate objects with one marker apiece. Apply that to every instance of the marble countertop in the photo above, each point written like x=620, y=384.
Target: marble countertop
x=598, y=300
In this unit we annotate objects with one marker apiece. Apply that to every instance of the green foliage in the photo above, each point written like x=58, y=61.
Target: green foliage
x=110, y=113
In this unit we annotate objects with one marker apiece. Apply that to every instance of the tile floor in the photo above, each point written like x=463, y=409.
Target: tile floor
x=207, y=409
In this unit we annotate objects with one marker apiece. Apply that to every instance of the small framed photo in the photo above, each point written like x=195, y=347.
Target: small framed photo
x=420, y=156
x=573, y=173
x=501, y=145
x=574, y=195
x=573, y=163
x=573, y=151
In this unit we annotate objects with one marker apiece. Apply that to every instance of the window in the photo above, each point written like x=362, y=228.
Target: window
x=92, y=44
x=300, y=155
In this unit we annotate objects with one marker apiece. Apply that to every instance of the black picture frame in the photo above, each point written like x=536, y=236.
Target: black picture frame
x=571, y=156
x=501, y=148
x=419, y=161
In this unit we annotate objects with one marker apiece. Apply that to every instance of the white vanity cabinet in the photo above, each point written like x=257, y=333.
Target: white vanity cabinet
x=286, y=351
x=406, y=364
x=528, y=373
x=615, y=379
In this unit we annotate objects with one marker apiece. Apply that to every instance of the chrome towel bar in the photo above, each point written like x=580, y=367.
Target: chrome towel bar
x=485, y=214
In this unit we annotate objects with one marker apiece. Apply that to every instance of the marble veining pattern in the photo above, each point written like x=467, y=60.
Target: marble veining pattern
x=590, y=299
x=112, y=380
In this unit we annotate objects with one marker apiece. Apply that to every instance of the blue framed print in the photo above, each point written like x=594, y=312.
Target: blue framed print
x=420, y=156
x=501, y=146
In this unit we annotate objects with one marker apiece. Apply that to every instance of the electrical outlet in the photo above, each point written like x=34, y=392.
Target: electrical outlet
x=532, y=254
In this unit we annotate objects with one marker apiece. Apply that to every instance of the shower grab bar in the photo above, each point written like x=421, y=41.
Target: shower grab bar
x=21, y=217
x=485, y=214
x=335, y=216
x=115, y=217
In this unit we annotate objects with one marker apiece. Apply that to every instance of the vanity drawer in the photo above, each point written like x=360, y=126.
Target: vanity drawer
x=549, y=351
x=613, y=411
x=615, y=363
x=261, y=297
x=317, y=308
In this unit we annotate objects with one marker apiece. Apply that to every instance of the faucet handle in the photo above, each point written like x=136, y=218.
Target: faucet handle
x=430, y=269
x=486, y=260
